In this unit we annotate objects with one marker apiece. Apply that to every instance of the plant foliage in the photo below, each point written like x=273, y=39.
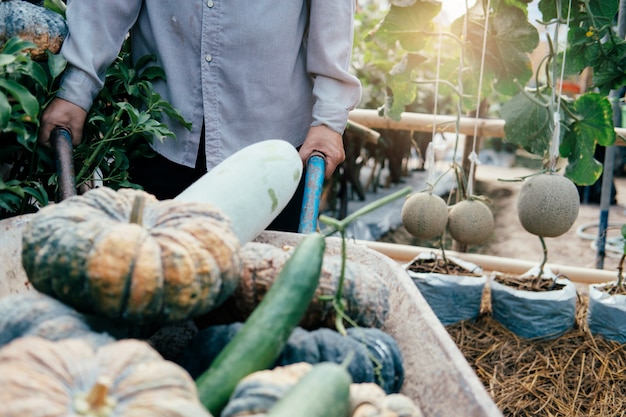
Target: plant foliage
x=526, y=100
x=122, y=122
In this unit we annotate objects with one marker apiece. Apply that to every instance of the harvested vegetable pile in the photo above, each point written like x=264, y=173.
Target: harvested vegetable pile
x=575, y=375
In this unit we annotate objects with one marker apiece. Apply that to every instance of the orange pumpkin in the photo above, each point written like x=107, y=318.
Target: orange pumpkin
x=69, y=378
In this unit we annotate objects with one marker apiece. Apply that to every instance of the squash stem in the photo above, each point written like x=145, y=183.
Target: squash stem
x=98, y=395
x=96, y=402
x=136, y=214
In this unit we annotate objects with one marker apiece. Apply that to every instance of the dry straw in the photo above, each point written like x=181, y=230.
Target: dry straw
x=575, y=375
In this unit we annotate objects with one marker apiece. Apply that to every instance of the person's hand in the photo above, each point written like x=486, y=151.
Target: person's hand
x=62, y=113
x=326, y=141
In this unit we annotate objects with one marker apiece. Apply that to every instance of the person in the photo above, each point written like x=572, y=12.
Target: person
x=239, y=71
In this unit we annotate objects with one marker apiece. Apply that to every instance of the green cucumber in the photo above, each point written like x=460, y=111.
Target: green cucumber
x=323, y=392
x=264, y=334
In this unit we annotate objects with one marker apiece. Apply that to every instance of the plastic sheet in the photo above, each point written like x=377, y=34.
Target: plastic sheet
x=535, y=314
x=606, y=315
x=453, y=298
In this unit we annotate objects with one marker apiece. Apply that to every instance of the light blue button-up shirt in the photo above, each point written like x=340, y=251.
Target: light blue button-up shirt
x=247, y=69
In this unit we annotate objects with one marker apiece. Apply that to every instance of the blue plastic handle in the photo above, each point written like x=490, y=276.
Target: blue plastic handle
x=314, y=180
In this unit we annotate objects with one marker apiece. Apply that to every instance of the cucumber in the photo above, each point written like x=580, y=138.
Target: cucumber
x=263, y=336
x=251, y=187
x=323, y=392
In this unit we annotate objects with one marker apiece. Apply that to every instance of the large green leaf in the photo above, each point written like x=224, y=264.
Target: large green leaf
x=549, y=11
x=510, y=39
x=602, y=12
x=594, y=126
x=527, y=124
x=584, y=170
x=407, y=25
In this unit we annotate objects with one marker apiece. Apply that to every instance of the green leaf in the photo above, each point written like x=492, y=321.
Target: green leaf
x=56, y=64
x=510, y=39
x=5, y=111
x=583, y=51
x=594, y=125
x=37, y=73
x=38, y=192
x=584, y=169
x=401, y=82
x=16, y=45
x=549, y=11
x=595, y=118
x=12, y=186
x=603, y=12
x=527, y=124
x=28, y=102
x=407, y=25
x=6, y=59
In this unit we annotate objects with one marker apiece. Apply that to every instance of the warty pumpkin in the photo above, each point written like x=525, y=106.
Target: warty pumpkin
x=365, y=294
x=376, y=355
x=70, y=378
x=32, y=22
x=125, y=255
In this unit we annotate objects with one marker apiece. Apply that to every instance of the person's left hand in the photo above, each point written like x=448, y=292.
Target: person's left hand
x=326, y=141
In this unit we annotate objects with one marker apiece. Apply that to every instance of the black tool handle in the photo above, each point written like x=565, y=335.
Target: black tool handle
x=61, y=142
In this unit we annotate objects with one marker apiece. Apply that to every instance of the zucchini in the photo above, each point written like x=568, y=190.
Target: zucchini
x=252, y=186
x=323, y=392
x=263, y=336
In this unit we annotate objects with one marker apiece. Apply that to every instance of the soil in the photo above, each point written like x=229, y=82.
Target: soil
x=577, y=374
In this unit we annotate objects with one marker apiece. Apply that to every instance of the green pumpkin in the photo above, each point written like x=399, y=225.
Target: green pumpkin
x=35, y=314
x=127, y=256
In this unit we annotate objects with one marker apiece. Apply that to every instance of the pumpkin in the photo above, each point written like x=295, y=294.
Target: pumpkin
x=35, y=314
x=32, y=22
x=385, y=354
x=377, y=357
x=365, y=294
x=70, y=378
x=125, y=255
x=369, y=400
x=172, y=340
x=259, y=391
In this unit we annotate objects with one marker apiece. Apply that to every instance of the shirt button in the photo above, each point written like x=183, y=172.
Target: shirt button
x=210, y=3
x=208, y=58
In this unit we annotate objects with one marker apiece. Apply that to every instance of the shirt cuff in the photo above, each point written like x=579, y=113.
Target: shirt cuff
x=335, y=118
x=78, y=88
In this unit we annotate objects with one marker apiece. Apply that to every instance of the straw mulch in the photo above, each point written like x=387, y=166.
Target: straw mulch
x=575, y=375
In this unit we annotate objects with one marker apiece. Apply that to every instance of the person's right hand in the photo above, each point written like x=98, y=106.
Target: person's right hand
x=62, y=113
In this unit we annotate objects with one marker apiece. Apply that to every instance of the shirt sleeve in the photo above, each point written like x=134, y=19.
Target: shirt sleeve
x=329, y=51
x=97, y=29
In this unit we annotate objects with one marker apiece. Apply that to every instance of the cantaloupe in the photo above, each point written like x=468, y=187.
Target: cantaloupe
x=548, y=205
x=470, y=222
x=425, y=215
